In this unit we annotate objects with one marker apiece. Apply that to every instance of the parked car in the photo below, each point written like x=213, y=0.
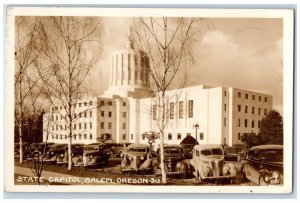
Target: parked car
x=235, y=153
x=264, y=165
x=175, y=163
x=137, y=158
x=53, y=153
x=117, y=149
x=37, y=151
x=77, y=153
x=25, y=147
x=208, y=163
x=94, y=155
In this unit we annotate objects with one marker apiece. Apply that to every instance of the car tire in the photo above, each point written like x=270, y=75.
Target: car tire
x=261, y=181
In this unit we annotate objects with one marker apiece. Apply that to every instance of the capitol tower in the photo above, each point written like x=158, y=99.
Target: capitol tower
x=129, y=74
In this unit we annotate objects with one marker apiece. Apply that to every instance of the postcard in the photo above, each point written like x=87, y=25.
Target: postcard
x=148, y=100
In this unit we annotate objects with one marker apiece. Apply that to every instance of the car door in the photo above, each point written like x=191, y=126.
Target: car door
x=253, y=165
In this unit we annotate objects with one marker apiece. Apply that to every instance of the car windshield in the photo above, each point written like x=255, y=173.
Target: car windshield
x=231, y=150
x=172, y=151
x=213, y=151
x=91, y=148
x=139, y=149
x=272, y=155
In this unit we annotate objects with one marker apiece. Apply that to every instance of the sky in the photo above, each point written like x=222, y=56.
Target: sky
x=236, y=52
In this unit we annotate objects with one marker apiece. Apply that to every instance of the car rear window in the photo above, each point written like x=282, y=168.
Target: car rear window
x=172, y=151
x=138, y=150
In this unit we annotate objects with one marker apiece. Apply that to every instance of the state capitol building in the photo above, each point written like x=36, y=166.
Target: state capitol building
x=127, y=110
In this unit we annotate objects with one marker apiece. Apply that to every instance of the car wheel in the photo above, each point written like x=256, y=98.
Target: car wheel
x=262, y=181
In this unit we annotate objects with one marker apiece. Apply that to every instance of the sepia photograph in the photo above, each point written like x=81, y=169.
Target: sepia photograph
x=154, y=100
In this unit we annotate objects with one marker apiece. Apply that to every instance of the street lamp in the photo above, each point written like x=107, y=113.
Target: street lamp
x=196, y=126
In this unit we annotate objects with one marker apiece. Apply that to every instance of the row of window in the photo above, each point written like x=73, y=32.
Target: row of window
x=109, y=103
x=246, y=96
x=180, y=110
x=79, y=136
x=246, y=108
x=55, y=108
x=82, y=114
x=246, y=123
x=109, y=125
x=64, y=127
x=109, y=114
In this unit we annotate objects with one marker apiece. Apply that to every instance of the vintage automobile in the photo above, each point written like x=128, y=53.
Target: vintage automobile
x=37, y=151
x=17, y=150
x=118, y=148
x=77, y=152
x=235, y=153
x=208, y=163
x=53, y=153
x=175, y=163
x=94, y=155
x=264, y=165
x=137, y=158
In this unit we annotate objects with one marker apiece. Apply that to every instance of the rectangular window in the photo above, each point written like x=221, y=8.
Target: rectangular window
x=102, y=125
x=191, y=108
x=239, y=122
x=57, y=117
x=124, y=103
x=56, y=127
x=74, y=136
x=253, y=110
x=102, y=103
x=91, y=136
x=123, y=125
x=239, y=136
x=74, y=126
x=80, y=136
x=131, y=136
x=52, y=127
x=109, y=114
x=259, y=98
x=124, y=114
x=124, y=136
x=246, y=123
x=79, y=115
x=91, y=114
x=172, y=110
x=258, y=124
x=225, y=93
x=91, y=125
x=84, y=103
x=225, y=107
x=154, y=112
x=79, y=104
x=91, y=103
x=109, y=103
x=79, y=125
x=224, y=122
x=265, y=113
x=201, y=136
x=84, y=125
x=85, y=114
x=181, y=109
x=239, y=108
x=253, y=124
x=246, y=109
x=143, y=136
x=239, y=94
x=178, y=136
x=246, y=96
x=65, y=137
x=169, y=136
x=102, y=113
x=253, y=97
x=85, y=136
x=266, y=99
x=259, y=111
x=61, y=117
x=109, y=125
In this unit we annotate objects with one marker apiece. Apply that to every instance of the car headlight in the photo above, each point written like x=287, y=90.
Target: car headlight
x=142, y=158
x=51, y=153
x=226, y=169
x=178, y=165
x=61, y=155
x=91, y=156
x=207, y=170
x=275, y=175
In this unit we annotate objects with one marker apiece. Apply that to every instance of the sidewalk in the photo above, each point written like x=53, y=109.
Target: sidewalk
x=61, y=178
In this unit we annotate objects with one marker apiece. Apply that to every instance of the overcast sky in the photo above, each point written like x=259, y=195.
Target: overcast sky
x=241, y=53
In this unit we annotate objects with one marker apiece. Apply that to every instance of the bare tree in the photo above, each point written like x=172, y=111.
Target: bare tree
x=72, y=49
x=168, y=44
x=26, y=54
